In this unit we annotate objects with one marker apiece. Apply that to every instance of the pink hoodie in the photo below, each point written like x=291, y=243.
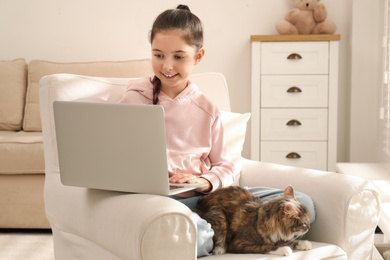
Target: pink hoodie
x=194, y=132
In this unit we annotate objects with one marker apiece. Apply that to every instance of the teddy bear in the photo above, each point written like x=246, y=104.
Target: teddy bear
x=307, y=17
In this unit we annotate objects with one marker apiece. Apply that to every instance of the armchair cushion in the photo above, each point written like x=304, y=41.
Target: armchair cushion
x=318, y=251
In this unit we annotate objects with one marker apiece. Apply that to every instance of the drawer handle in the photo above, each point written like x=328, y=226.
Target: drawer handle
x=293, y=122
x=293, y=156
x=294, y=90
x=294, y=56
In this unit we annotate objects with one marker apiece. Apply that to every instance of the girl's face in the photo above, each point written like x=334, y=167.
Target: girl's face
x=173, y=61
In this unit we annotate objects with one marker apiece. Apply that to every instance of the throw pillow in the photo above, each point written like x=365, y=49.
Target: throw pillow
x=235, y=125
x=12, y=94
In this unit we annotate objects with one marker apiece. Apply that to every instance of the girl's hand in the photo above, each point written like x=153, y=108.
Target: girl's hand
x=190, y=178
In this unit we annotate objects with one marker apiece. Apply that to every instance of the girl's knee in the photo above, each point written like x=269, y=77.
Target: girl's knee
x=205, y=236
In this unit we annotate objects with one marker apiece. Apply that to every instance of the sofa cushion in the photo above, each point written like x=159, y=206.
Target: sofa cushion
x=21, y=152
x=37, y=69
x=12, y=93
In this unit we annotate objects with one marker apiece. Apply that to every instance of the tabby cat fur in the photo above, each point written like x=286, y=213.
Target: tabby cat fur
x=242, y=223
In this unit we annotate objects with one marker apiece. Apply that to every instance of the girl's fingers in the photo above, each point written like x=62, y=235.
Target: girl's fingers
x=183, y=178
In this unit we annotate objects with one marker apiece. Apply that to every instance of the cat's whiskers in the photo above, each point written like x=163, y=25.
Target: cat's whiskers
x=300, y=237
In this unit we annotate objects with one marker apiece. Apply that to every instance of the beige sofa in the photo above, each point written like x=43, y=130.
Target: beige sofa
x=21, y=149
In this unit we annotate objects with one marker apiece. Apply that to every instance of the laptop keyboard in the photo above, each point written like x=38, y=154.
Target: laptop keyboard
x=174, y=187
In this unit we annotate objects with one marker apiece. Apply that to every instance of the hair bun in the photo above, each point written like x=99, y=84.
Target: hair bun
x=183, y=7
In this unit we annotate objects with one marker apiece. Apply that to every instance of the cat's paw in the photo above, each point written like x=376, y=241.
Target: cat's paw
x=218, y=250
x=304, y=245
x=283, y=251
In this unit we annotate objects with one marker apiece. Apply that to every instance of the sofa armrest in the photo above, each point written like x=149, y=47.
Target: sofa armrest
x=347, y=208
x=130, y=226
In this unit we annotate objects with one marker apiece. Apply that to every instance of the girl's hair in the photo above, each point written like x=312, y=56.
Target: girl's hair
x=180, y=19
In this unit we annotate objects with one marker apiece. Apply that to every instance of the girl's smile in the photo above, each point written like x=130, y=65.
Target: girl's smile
x=169, y=76
x=173, y=61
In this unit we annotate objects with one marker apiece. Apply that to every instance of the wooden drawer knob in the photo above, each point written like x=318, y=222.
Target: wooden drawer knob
x=294, y=56
x=293, y=122
x=293, y=155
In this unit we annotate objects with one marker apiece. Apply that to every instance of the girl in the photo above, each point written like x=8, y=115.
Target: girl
x=195, y=144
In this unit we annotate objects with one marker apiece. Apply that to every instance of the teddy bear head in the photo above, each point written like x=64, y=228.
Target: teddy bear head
x=305, y=5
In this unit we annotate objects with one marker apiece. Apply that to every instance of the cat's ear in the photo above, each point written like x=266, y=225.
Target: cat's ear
x=289, y=192
x=290, y=210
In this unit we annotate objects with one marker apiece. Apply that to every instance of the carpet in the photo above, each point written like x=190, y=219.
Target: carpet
x=26, y=245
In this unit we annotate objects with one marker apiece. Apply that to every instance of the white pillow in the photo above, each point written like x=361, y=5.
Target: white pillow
x=234, y=125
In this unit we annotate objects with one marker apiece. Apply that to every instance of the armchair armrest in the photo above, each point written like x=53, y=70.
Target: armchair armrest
x=347, y=208
x=129, y=226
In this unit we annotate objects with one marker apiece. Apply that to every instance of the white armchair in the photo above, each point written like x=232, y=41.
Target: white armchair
x=97, y=224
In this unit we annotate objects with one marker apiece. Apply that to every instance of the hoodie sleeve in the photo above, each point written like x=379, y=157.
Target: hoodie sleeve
x=221, y=173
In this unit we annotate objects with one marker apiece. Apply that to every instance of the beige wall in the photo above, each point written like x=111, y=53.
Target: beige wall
x=88, y=30
x=366, y=135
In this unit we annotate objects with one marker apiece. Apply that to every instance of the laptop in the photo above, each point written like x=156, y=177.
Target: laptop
x=119, y=147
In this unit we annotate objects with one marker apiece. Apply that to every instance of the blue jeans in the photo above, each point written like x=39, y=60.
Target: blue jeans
x=206, y=233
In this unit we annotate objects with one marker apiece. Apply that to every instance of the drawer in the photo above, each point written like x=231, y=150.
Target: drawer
x=294, y=57
x=294, y=91
x=312, y=155
x=294, y=124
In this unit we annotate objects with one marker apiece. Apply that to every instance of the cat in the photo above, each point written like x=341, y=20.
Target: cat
x=242, y=223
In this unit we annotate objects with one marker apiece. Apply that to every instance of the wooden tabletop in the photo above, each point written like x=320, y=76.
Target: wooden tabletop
x=295, y=38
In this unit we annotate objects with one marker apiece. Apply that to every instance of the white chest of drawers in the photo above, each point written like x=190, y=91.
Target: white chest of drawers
x=294, y=100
